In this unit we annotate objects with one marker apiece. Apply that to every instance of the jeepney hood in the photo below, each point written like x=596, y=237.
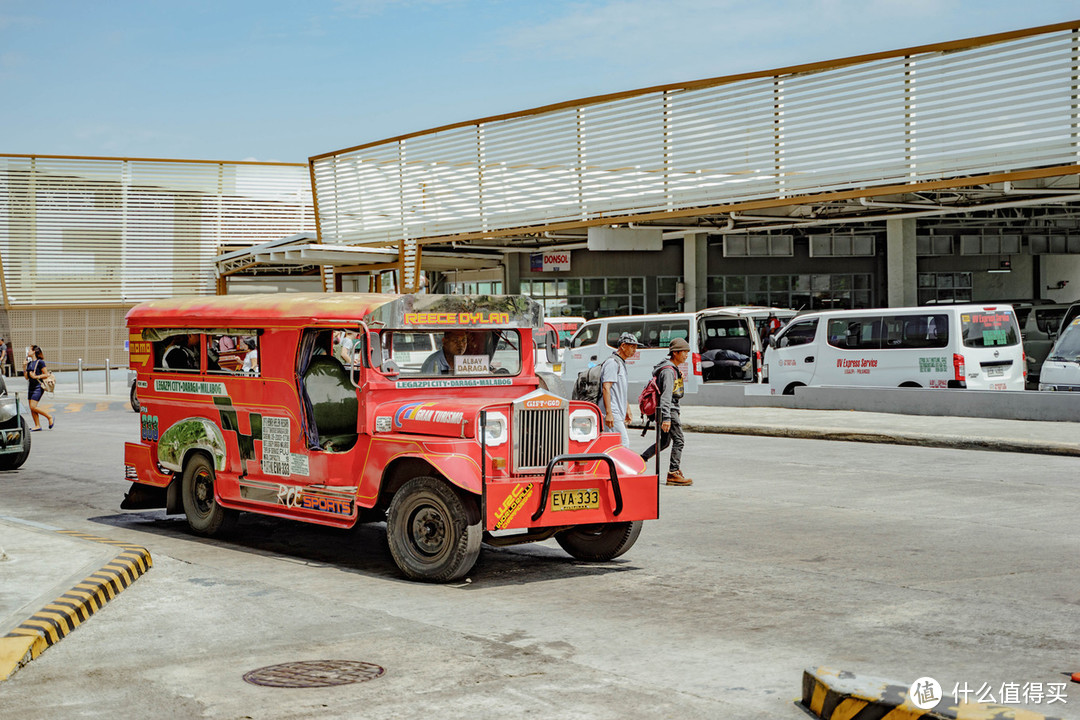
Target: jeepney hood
x=445, y=417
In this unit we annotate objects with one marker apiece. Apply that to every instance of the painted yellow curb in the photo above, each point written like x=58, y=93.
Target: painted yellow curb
x=57, y=619
x=840, y=695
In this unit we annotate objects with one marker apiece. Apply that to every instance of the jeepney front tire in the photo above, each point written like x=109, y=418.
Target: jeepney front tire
x=598, y=543
x=434, y=532
x=15, y=460
x=134, y=398
x=204, y=515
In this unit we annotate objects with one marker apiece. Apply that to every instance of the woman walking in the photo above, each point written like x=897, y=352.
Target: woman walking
x=35, y=371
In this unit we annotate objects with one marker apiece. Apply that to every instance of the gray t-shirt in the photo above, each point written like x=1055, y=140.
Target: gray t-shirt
x=614, y=371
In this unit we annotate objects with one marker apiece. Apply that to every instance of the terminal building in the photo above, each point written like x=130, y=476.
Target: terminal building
x=940, y=173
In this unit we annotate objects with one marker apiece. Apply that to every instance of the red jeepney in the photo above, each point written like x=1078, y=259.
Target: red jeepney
x=293, y=405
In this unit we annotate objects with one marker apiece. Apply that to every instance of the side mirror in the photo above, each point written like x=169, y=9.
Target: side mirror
x=551, y=347
x=772, y=341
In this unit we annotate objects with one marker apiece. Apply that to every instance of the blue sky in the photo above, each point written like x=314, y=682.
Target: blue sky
x=270, y=80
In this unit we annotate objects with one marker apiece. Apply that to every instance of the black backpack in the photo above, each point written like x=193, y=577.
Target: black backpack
x=587, y=385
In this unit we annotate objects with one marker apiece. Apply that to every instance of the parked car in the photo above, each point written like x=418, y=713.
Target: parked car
x=1039, y=326
x=1071, y=314
x=133, y=393
x=14, y=431
x=1061, y=370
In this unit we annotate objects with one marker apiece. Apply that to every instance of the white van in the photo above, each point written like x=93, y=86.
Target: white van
x=953, y=346
x=1061, y=370
x=564, y=328
x=725, y=345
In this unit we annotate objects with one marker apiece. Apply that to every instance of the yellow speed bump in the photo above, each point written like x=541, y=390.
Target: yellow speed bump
x=52, y=623
x=840, y=695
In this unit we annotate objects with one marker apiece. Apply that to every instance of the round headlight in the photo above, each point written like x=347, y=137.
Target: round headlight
x=584, y=425
x=495, y=429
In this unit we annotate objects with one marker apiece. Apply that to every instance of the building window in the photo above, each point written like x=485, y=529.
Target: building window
x=944, y=288
x=492, y=287
x=667, y=294
x=588, y=297
x=800, y=292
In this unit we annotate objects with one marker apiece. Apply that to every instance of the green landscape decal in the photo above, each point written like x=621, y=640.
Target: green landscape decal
x=187, y=434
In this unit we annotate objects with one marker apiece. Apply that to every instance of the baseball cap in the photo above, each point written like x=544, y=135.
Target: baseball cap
x=628, y=339
x=678, y=345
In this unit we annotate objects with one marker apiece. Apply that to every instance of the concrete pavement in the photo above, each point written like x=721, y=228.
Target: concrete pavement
x=44, y=571
x=969, y=433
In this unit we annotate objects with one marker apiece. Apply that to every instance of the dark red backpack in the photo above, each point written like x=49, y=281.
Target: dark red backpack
x=649, y=398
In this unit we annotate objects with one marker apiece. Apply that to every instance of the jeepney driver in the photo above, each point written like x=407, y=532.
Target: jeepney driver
x=441, y=362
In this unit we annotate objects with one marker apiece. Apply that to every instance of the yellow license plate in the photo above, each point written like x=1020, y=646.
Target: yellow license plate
x=585, y=499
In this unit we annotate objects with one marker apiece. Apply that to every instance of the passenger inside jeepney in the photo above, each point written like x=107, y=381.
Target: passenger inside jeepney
x=441, y=362
x=182, y=353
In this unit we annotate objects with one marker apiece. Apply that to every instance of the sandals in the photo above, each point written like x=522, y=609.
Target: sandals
x=37, y=429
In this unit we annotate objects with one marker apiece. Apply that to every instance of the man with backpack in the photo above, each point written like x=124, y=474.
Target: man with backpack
x=613, y=387
x=669, y=381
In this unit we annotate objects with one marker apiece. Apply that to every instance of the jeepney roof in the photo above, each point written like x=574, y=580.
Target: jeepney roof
x=378, y=310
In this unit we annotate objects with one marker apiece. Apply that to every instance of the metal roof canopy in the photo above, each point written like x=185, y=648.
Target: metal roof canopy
x=303, y=252
x=908, y=125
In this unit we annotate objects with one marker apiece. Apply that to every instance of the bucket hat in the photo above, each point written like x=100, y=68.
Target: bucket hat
x=678, y=345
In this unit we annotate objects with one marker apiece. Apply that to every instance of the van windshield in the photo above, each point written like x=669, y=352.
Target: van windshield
x=1068, y=345
x=991, y=328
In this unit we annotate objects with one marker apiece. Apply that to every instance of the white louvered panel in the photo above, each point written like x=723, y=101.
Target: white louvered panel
x=994, y=108
x=80, y=230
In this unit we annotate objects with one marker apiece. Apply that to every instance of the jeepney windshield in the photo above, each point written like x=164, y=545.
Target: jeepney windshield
x=452, y=352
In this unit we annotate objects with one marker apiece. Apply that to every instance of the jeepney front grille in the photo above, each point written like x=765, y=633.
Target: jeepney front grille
x=539, y=435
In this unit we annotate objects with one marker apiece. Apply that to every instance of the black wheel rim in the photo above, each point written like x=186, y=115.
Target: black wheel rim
x=428, y=530
x=202, y=492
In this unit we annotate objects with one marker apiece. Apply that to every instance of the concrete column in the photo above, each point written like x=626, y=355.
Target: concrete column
x=695, y=271
x=512, y=273
x=900, y=266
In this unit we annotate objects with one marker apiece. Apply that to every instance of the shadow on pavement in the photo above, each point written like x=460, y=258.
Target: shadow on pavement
x=363, y=549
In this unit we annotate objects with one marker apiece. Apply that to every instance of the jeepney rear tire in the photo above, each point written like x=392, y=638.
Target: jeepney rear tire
x=433, y=531
x=598, y=543
x=204, y=515
x=15, y=460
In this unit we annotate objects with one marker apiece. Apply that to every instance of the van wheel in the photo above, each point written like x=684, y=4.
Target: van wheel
x=204, y=515
x=910, y=385
x=790, y=389
x=433, y=532
x=597, y=543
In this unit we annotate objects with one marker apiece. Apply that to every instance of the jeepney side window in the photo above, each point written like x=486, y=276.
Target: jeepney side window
x=177, y=351
x=233, y=352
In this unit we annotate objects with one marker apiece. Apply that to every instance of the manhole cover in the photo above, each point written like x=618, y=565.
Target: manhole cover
x=314, y=673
